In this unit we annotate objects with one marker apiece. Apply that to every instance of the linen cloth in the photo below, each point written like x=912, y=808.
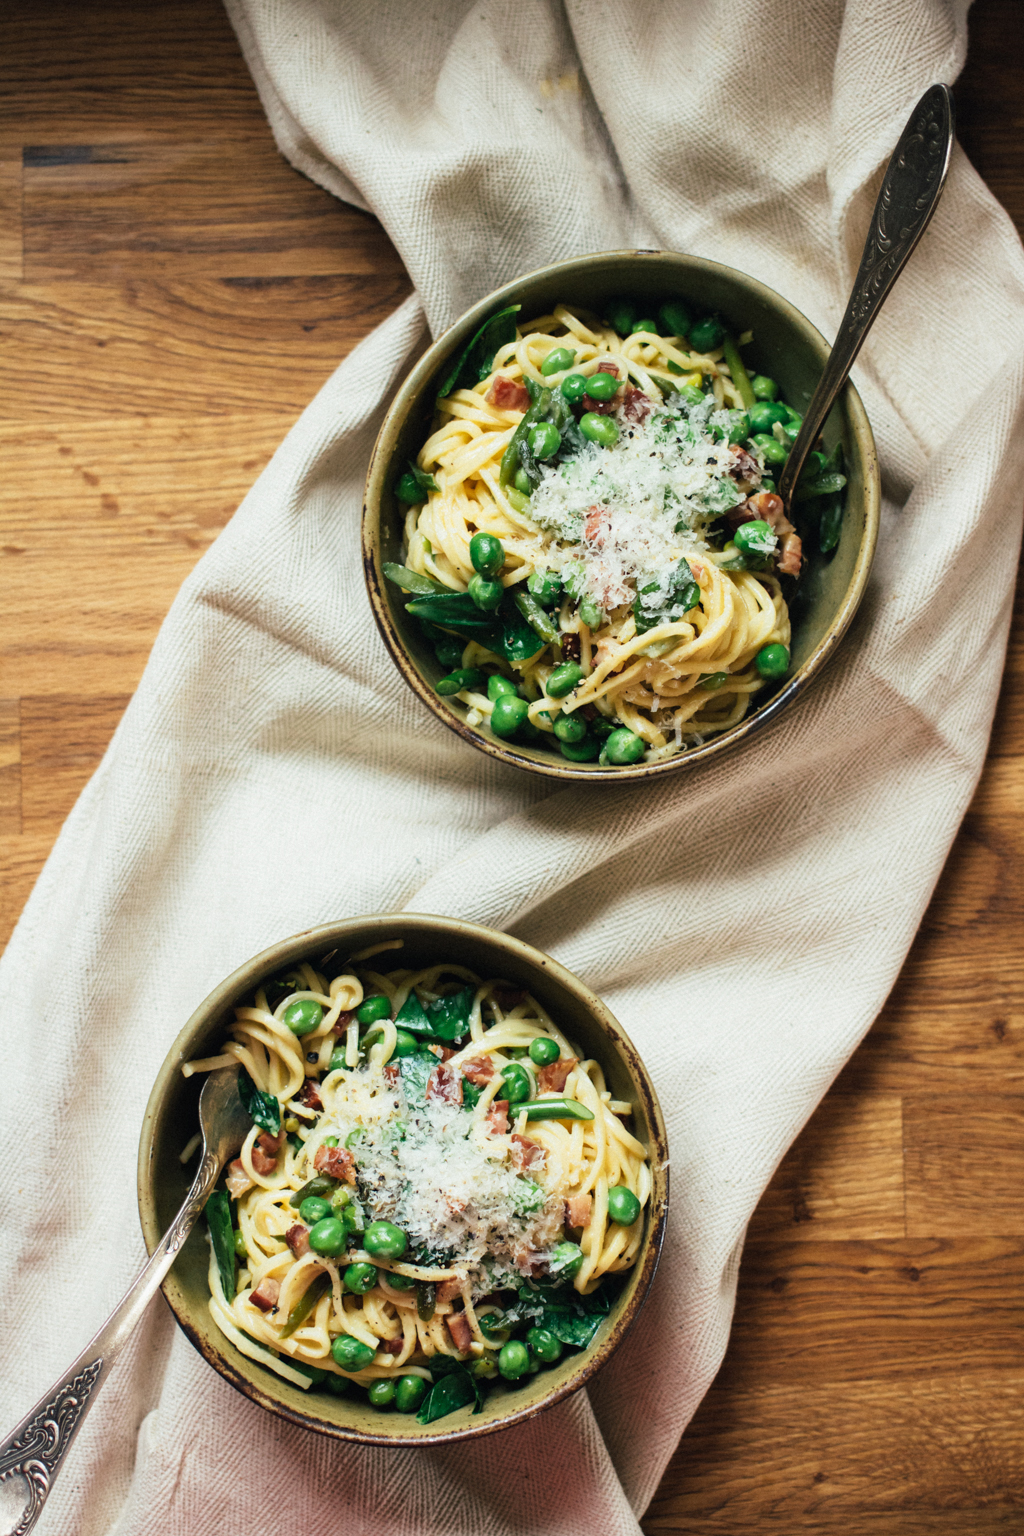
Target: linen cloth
x=745, y=921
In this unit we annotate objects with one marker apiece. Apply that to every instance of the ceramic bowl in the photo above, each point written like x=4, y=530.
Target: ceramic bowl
x=786, y=346
x=172, y=1118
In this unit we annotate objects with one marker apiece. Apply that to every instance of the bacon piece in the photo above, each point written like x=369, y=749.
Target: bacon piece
x=265, y=1295
x=508, y=395
x=461, y=1332
x=237, y=1181
x=342, y=1022
x=508, y=998
x=744, y=467
x=497, y=1117
x=264, y=1153
x=479, y=1070
x=636, y=406
x=336, y=1162
x=552, y=1079
x=309, y=1094
x=526, y=1153
x=392, y=1346
x=444, y=1085
x=447, y=1291
x=577, y=1210
x=607, y=366
x=596, y=525
x=602, y=407
x=528, y=1260
x=570, y=647
x=392, y=1073
x=297, y=1238
x=792, y=554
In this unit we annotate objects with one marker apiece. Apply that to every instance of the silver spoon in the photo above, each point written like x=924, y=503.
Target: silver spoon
x=911, y=188
x=32, y=1455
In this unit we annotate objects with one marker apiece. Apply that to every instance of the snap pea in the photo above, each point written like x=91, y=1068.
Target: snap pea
x=517, y=499
x=511, y=458
x=320, y=1185
x=426, y=1299
x=535, y=616
x=822, y=485
x=740, y=376
x=317, y=1287
x=557, y=1109
x=412, y=581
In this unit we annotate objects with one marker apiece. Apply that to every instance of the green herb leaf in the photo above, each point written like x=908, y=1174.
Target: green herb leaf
x=415, y=1071
x=448, y=1016
x=423, y=480
x=517, y=640
x=477, y=359
x=454, y=1389
x=830, y=524
x=572, y=1327
x=218, y=1219
x=824, y=485
x=454, y=610
x=263, y=1108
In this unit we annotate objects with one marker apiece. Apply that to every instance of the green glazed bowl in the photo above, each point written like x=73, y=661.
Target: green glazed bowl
x=786, y=346
x=172, y=1119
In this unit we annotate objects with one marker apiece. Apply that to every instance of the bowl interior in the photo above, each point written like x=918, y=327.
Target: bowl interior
x=785, y=346
x=172, y=1119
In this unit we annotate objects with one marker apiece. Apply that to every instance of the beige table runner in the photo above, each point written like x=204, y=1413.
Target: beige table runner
x=745, y=921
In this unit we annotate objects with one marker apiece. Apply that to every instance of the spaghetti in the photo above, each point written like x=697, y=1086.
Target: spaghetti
x=593, y=541
x=436, y=1189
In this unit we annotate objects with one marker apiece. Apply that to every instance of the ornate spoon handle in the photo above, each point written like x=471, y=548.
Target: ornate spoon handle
x=31, y=1456
x=911, y=187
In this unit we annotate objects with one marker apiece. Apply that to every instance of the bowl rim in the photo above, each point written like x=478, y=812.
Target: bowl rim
x=561, y=768
x=279, y=953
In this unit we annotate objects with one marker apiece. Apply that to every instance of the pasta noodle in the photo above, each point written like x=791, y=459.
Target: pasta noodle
x=614, y=559
x=434, y=1177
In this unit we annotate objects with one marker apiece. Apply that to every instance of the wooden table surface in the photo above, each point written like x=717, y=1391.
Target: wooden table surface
x=172, y=295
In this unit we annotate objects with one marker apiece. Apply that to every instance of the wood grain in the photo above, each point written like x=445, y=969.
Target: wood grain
x=172, y=295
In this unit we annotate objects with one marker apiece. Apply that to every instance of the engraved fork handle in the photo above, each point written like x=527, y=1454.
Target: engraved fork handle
x=911, y=187
x=31, y=1456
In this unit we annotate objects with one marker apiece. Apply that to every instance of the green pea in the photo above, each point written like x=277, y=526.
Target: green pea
x=351, y=1354
x=303, y=1016
x=590, y=613
x=328, y=1237
x=487, y=554
x=508, y=715
x=408, y=490
x=330, y=1141
x=557, y=361
x=674, y=318
x=814, y=465
x=583, y=751
x=623, y=1205
x=599, y=429
x=313, y=1209
x=239, y=1242
x=486, y=594
x=373, y=1008
x=337, y=1059
x=624, y=746
x=409, y=1393
x=764, y=388
x=574, y=387
x=544, y=439
x=754, y=538
x=544, y=1050
x=765, y=414
x=564, y=679
x=384, y=1240
x=772, y=451
x=523, y=483
x=544, y=1345
x=340, y=1199
x=691, y=394
x=516, y=1083
x=566, y=1259
x=401, y=1282
x=620, y=314
x=645, y=325
x=570, y=728
x=772, y=661
x=545, y=587
x=497, y=686
x=706, y=334
x=337, y=1384
x=381, y=1395
x=359, y=1278
x=355, y=1137
x=602, y=386
x=514, y=1360
x=405, y=1043
x=712, y=681
x=449, y=653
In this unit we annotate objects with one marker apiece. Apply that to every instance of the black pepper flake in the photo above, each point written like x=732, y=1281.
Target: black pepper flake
x=312, y=1055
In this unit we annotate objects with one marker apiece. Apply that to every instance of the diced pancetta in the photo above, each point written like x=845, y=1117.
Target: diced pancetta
x=461, y=1332
x=265, y=1150
x=444, y=1085
x=297, y=1238
x=447, y=1291
x=237, y=1180
x=336, y=1163
x=526, y=1153
x=791, y=556
x=342, y=1022
x=309, y=1094
x=497, y=1117
x=392, y=1346
x=265, y=1295
x=596, y=525
x=508, y=395
x=508, y=998
x=636, y=406
x=479, y=1070
x=551, y=1079
x=577, y=1210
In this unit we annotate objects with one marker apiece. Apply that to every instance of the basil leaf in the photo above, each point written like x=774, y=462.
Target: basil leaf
x=412, y=581
x=263, y=1108
x=412, y=1017
x=571, y=1327
x=454, y=610
x=218, y=1219
x=455, y=1389
x=415, y=1071
x=477, y=358
x=423, y=480
x=449, y=1015
x=517, y=640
